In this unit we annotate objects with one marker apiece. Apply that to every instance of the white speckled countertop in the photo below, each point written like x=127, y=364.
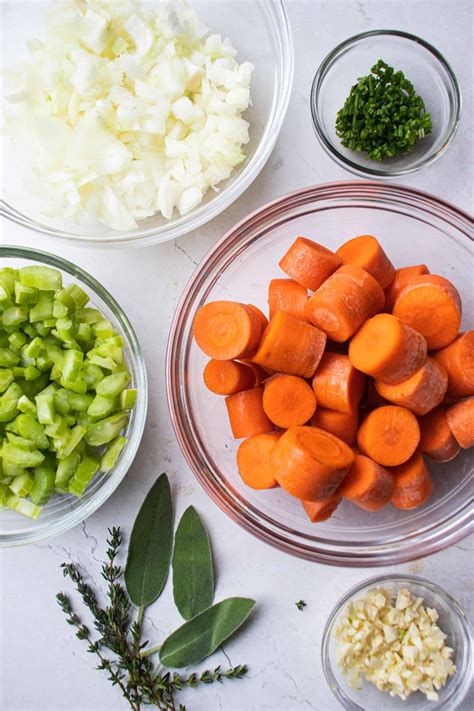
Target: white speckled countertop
x=42, y=665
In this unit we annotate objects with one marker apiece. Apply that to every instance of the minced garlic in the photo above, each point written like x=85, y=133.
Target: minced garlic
x=396, y=645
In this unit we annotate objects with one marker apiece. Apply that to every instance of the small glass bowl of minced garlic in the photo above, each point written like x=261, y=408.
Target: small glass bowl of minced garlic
x=397, y=642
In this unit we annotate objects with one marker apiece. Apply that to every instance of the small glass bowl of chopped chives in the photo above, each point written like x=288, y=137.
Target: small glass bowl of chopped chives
x=385, y=104
x=410, y=632
x=73, y=395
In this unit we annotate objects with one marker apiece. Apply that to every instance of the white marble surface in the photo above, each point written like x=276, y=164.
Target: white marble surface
x=42, y=665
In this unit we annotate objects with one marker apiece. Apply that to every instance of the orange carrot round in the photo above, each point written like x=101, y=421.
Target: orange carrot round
x=341, y=424
x=389, y=435
x=225, y=330
x=318, y=511
x=254, y=460
x=420, y=393
x=287, y=295
x=309, y=263
x=366, y=252
x=225, y=377
x=288, y=400
x=341, y=305
x=432, y=306
x=403, y=276
x=437, y=440
x=337, y=384
x=387, y=349
x=259, y=315
x=290, y=346
x=310, y=463
x=458, y=360
x=367, y=484
x=246, y=414
x=413, y=485
x=461, y=422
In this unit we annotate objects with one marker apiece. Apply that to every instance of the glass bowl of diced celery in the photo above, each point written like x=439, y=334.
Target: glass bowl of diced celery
x=73, y=395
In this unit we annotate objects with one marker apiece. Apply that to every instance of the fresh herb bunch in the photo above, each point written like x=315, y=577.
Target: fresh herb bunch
x=121, y=650
x=382, y=115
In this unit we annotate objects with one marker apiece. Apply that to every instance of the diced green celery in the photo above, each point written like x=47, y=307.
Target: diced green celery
x=45, y=408
x=14, y=315
x=9, y=401
x=33, y=348
x=12, y=470
x=13, y=454
x=100, y=407
x=113, y=384
x=128, y=399
x=25, y=294
x=70, y=420
x=65, y=329
x=54, y=353
x=43, y=309
x=61, y=401
x=21, y=442
x=86, y=470
x=107, y=363
x=92, y=374
x=31, y=372
x=31, y=429
x=43, y=484
x=6, y=377
x=26, y=406
x=67, y=444
x=111, y=453
x=105, y=430
x=18, y=372
x=80, y=402
x=29, y=330
x=57, y=429
x=33, y=387
x=43, y=363
x=41, y=277
x=84, y=332
x=50, y=389
x=56, y=373
x=8, y=358
x=4, y=491
x=8, y=275
x=66, y=468
x=89, y=315
x=72, y=364
x=17, y=340
x=74, y=292
x=21, y=485
x=77, y=386
x=23, y=506
x=103, y=329
x=4, y=295
x=48, y=323
x=60, y=310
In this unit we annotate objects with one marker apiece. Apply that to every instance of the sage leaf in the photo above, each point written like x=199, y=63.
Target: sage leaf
x=198, y=638
x=193, y=576
x=151, y=543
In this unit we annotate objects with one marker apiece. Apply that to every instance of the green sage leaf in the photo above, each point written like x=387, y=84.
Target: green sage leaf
x=193, y=576
x=151, y=542
x=198, y=638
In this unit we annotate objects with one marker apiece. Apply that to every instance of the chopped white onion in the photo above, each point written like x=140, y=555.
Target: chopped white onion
x=127, y=109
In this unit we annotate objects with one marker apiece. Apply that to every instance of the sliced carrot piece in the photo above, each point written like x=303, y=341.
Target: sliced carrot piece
x=310, y=463
x=367, y=484
x=262, y=319
x=246, y=414
x=387, y=349
x=309, y=263
x=318, y=511
x=420, y=393
x=458, y=360
x=337, y=384
x=461, y=422
x=288, y=400
x=389, y=435
x=225, y=377
x=341, y=305
x=340, y=424
x=290, y=346
x=225, y=330
x=254, y=460
x=413, y=485
x=431, y=305
x=259, y=373
x=437, y=440
x=287, y=295
x=366, y=252
x=403, y=276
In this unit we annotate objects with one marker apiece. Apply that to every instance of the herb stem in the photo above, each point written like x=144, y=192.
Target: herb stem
x=140, y=612
x=150, y=651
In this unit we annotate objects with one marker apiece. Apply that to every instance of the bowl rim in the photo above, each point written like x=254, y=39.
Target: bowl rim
x=403, y=579
x=117, y=474
x=276, y=12
x=435, y=538
x=352, y=165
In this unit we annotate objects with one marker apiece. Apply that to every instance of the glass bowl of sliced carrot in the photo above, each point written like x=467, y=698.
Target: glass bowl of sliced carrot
x=320, y=373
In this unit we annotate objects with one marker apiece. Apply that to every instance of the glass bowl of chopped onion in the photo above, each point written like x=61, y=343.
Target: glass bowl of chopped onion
x=83, y=476
x=137, y=122
x=406, y=145
x=405, y=634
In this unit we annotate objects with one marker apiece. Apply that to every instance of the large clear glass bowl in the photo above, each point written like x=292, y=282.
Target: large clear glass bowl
x=452, y=621
x=414, y=228
x=64, y=512
x=261, y=33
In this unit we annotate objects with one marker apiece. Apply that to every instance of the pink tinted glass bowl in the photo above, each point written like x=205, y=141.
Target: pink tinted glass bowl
x=414, y=228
